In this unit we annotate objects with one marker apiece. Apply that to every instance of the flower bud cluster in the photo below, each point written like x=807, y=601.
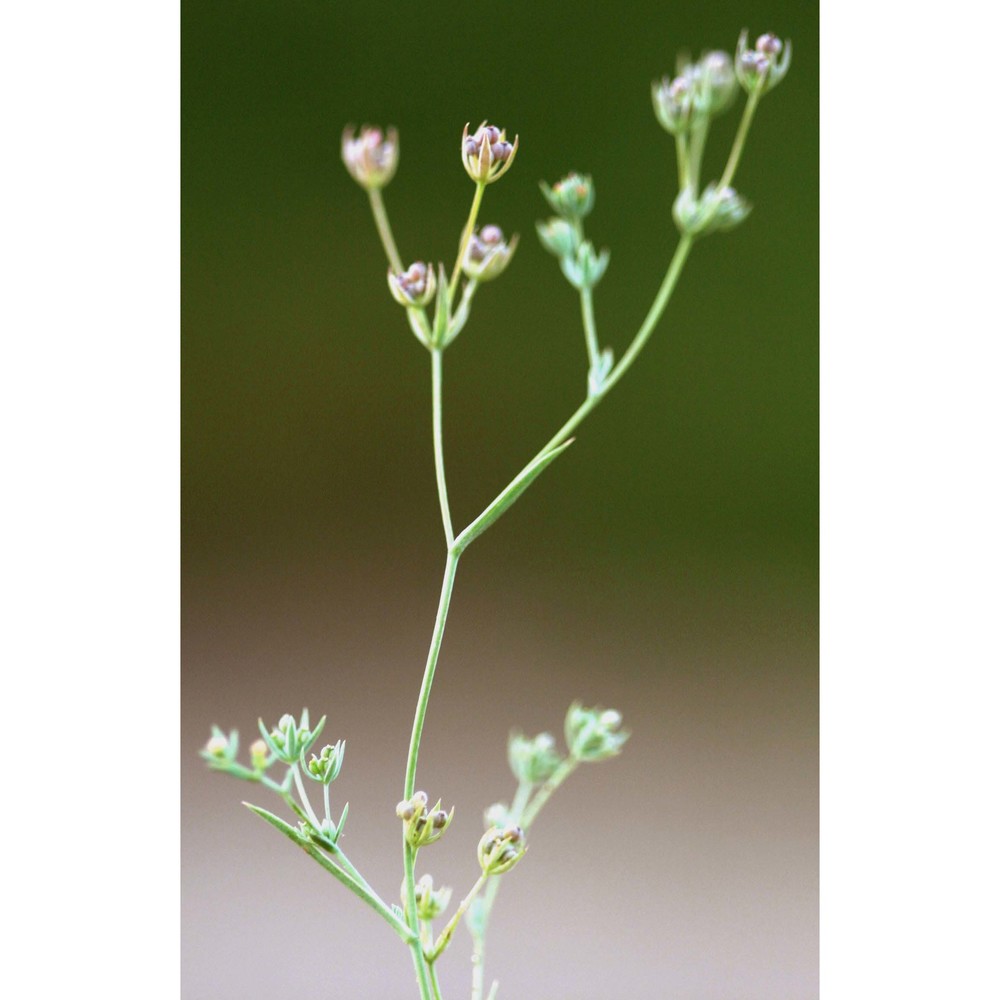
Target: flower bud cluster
x=487, y=254
x=501, y=848
x=572, y=197
x=370, y=158
x=532, y=760
x=414, y=287
x=593, y=734
x=431, y=902
x=700, y=91
x=290, y=740
x=326, y=767
x=486, y=154
x=717, y=210
x=763, y=67
x=422, y=826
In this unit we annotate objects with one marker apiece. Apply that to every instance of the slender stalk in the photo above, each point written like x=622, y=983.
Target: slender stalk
x=384, y=229
x=445, y=936
x=413, y=923
x=410, y=780
x=698, y=136
x=435, y=985
x=442, y=486
x=326, y=801
x=589, y=326
x=561, y=773
x=682, y=160
x=741, y=136
x=470, y=226
x=365, y=894
x=305, y=798
x=638, y=342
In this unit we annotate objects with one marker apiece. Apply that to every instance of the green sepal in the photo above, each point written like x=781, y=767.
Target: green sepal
x=442, y=310
x=513, y=491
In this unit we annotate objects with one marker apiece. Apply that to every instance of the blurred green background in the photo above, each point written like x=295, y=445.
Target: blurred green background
x=667, y=564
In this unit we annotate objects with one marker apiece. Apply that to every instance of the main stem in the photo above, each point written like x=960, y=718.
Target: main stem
x=410, y=781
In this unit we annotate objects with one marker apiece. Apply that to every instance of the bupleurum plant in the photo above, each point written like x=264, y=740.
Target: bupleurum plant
x=438, y=305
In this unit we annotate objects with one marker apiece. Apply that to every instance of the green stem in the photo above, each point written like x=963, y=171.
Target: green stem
x=442, y=486
x=445, y=936
x=366, y=894
x=638, y=342
x=410, y=780
x=435, y=985
x=413, y=923
x=561, y=773
x=682, y=160
x=589, y=326
x=384, y=229
x=741, y=138
x=698, y=136
x=470, y=226
x=305, y=798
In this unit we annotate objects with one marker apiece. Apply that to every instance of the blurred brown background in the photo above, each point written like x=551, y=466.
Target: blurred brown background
x=666, y=565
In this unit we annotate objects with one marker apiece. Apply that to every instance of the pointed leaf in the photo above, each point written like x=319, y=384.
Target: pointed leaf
x=513, y=491
x=279, y=824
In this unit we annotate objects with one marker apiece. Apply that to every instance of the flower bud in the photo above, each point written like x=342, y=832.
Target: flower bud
x=497, y=814
x=431, y=902
x=220, y=748
x=587, y=267
x=414, y=287
x=500, y=849
x=716, y=81
x=371, y=159
x=421, y=825
x=716, y=210
x=674, y=103
x=289, y=740
x=487, y=255
x=486, y=154
x=325, y=767
x=763, y=67
x=592, y=733
x=258, y=755
x=532, y=760
x=558, y=237
x=572, y=197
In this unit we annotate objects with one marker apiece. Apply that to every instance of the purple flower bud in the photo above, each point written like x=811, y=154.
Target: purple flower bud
x=371, y=157
x=769, y=45
x=486, y=154
x=414, y=288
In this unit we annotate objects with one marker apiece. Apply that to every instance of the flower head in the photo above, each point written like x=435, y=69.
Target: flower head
x=572, y=197
x=487, y=254
x=765, y=65
x=371, y=158
x=486, y=154
x=414, y=287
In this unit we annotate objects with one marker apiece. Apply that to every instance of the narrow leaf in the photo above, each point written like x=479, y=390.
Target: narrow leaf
x=508, y=496
x=279, y=824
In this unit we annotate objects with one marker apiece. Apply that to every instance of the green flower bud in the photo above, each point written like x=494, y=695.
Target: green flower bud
x=259, y=760
x=486, y=154
x=220, y=748
x=715, y=82
x=674, y=103
x=371, y=159
x=431, y=902
x=487, y=255
x=326, y=767
x=718, y=209
x=289, y=740
x=414, y=287
x=558, y=237
x=763, y=67
x=532, y=761
x=572, y=197
x=500, y=849
x=593, y=734
x=587, y=267
x=422, y=826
